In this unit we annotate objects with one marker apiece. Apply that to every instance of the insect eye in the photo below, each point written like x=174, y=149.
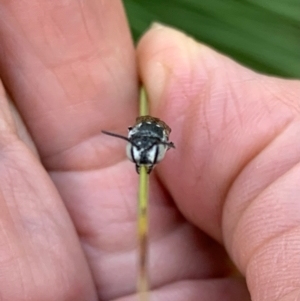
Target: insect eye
x=129, y=128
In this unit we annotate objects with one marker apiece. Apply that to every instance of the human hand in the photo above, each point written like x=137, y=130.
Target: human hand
x=70, y=69
x=69, y=80
x=235, y=173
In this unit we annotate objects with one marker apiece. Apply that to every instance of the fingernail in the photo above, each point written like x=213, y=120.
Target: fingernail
x=157, y=25
x=172, y=56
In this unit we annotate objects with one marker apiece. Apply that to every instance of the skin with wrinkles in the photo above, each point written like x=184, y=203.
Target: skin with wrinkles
x=229, y=192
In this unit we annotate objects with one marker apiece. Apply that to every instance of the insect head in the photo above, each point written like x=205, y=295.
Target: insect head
x=148, y=141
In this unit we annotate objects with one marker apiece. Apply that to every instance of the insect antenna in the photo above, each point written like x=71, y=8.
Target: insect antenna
x=116, y=135
x=169, y=144
x=119, y=136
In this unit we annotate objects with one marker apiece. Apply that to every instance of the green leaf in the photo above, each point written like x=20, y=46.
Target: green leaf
x=262, y=34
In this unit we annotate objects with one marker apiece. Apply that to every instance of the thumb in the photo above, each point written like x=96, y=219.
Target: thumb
x=235, y=171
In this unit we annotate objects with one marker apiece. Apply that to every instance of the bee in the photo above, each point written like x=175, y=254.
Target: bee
x=148, y=141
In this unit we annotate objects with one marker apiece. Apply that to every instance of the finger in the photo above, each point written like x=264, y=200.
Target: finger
x=11, y=117
x=235, y=134
x=209, y=290
x=40, y=255
x=70, y=68
x=204, y=290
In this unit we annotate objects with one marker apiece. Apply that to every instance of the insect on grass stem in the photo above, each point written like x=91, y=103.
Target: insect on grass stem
x=147, y=144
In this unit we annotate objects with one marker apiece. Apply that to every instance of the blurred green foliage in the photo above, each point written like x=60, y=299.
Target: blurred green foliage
x=262, y=34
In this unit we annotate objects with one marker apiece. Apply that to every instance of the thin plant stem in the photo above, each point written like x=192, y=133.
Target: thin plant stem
x=142, y=285
x=143, y=234
x=143, y=102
